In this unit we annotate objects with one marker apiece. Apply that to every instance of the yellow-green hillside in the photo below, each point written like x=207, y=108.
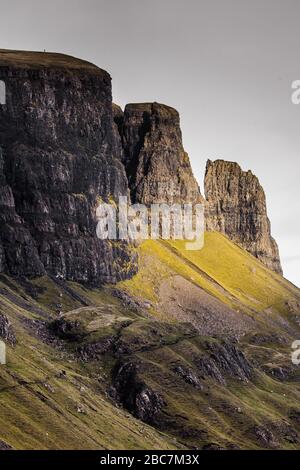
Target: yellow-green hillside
x=222, y=269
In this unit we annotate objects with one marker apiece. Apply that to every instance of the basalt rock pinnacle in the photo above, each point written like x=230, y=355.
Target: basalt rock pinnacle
x=236, y=206
x=158, y=168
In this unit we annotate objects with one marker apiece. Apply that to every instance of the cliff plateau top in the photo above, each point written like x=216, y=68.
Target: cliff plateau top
x=51, y=60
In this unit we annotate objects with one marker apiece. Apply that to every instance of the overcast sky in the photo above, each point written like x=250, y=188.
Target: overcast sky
x=226, y=65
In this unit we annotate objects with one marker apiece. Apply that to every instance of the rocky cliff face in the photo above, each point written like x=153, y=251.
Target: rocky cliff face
x=236, y=206
x=59, y=157
x=157, y=166
x=159, y=170
x=64, y=147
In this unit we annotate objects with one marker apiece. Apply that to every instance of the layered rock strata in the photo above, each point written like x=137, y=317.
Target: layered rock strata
x=158, y=168
x=236, y=207
x=58, y=159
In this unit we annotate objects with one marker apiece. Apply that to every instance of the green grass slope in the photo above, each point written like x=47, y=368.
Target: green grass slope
x=49, y=400
x=193, y=352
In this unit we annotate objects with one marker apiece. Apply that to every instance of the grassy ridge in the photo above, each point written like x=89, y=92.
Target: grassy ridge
x=36, y=60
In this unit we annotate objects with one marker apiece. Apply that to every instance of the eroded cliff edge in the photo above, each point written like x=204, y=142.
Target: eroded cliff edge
x=236, y=207
x=57, y=161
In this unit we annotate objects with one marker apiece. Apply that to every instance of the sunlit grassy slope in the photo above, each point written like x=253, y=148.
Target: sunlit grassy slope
x=240, y=273
x=221, y=268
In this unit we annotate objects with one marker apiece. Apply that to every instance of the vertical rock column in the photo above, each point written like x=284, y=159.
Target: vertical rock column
x=158, y=168
x=236, y=207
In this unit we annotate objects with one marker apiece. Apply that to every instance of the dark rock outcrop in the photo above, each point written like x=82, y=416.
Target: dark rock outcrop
x=5, y=446
x=59, y=157
x=132, y=392
x=6, y=330
x=158, y=168
x=265, y=437
x=222, y=360
x=236, y=207
x=188, y=376
x=118, y=118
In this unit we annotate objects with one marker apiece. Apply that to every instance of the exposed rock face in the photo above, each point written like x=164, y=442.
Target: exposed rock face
x=236, y=206
x=59, y=158
x=157, y=166
x=135, y=395
x=6, y=330
x=188, y=376
x=4, y=446
x=224, y=359
x=118, y=117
